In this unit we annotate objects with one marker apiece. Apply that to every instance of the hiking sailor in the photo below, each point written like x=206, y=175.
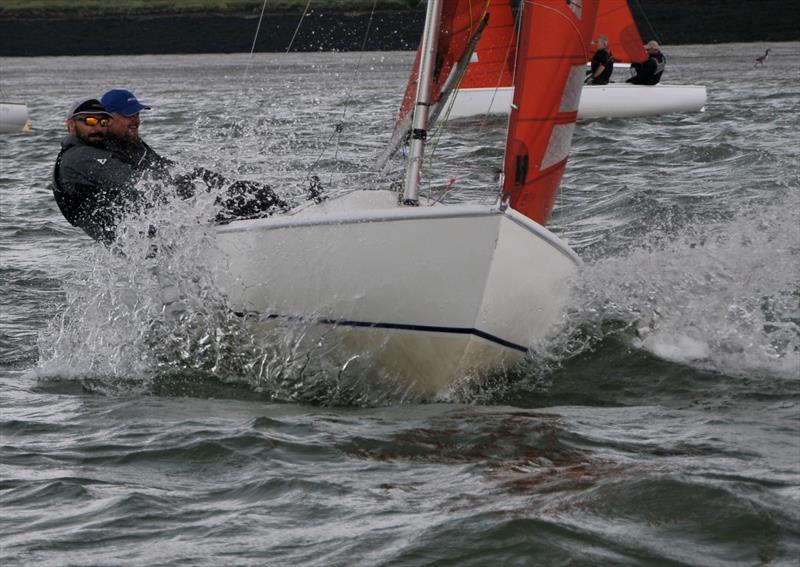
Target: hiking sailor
x=649, y=72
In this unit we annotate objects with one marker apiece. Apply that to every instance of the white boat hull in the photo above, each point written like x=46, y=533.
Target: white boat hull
x=615, y=100
x=427, y=294
x=13, y=117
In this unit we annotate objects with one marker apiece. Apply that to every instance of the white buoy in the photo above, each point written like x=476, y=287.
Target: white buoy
x=13, y=117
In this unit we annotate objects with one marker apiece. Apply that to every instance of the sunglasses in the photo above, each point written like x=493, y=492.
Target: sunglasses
x=93, y=120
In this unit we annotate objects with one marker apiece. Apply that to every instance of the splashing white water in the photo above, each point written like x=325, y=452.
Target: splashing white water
x=150, y=308
x=721, y=297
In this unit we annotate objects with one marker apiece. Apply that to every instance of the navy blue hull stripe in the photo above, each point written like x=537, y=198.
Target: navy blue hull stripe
x=396, y=326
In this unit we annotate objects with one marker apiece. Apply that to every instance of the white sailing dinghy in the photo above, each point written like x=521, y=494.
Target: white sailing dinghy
x=433, y=292
x=487, y=86
x=13, y=117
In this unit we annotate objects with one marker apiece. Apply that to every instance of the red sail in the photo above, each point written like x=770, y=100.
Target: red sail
x=492, y=64
x=615, y=21
x=551, y=64
x=460, y=20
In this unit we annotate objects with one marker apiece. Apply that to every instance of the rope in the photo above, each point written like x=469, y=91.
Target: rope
x=647, y=20
x=253, y=47
x=497, y=84
x=339, y=128
x=258, y=28
x=441, y=123
x=300, y=23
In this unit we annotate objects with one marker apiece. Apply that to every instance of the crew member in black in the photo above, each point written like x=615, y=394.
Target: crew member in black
x=649, y=72
x=92, y=187
x=94, y=181
x=602, y=64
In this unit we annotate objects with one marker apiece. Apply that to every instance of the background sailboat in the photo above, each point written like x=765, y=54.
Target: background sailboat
x=487, y=89
x=431, y=293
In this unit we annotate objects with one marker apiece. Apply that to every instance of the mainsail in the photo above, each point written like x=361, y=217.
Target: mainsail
x=615, y=21
x=461, y=24
x=461, y=19
x=492, y=65
x=551, y=64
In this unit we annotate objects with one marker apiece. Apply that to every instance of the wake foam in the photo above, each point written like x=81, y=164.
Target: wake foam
x=722, y=297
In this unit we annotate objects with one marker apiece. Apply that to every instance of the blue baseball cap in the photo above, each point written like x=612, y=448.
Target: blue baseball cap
x=122, y=102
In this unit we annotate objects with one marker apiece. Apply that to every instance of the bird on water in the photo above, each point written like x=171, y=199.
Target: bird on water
x=760, y=60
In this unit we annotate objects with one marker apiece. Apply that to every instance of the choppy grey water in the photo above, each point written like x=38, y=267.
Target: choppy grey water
x=659, y=427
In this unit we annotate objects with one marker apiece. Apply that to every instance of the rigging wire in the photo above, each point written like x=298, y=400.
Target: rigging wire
x=251, y=56
x=253, y=46
x=299, y=24
x=441, y=124
x=258, y=31
x=246, y=74
x=497, y=84
x=339, y=128
x=647, y=20
x=258, y=28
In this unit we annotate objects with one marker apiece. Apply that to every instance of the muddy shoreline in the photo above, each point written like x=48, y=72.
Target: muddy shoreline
x=671, y=22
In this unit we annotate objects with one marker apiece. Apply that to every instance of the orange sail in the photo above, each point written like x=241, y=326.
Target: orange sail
x=495, y=59
x=460, y=21
x=553, y=48
x=492, y=64
x=615, y=21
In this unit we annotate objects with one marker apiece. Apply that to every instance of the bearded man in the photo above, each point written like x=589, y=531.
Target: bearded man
x=93, y=188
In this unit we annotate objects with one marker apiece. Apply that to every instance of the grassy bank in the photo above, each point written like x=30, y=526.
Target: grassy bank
x=28, y=8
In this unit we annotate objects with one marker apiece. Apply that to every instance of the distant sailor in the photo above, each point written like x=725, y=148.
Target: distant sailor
x=602, y=64
x=649, y=72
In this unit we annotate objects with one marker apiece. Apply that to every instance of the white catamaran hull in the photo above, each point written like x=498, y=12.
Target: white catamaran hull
x=430, y=294
x=13, y=117
x=615, y=100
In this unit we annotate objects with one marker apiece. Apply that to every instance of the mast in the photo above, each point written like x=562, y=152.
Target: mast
x=419, y=128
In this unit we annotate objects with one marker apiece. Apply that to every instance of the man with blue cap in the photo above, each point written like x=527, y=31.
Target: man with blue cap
x=96, y=173
x=123, y=131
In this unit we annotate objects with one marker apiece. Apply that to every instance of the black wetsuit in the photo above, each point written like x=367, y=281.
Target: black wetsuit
x=649, y=72
x=93, y=188
x=602, y=57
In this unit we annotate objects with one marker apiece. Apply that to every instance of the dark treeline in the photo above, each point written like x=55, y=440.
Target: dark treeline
x=669, y=21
